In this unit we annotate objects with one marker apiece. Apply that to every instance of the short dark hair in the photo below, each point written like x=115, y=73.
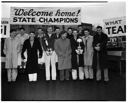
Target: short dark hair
x=86, y=30
x=62, y=32
x=39, y=28
x=75, y=30
x=79, y=25
x=69, y=28
x=22, y=29
x=49, y=26
x=57, y=28
x=99, y=27
x=12, y=30
x=31, y=32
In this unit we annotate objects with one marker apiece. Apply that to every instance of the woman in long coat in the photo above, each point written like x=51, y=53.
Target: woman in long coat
x=77, y=59
x=11, y=50
x=63, y=49
x=32, y=45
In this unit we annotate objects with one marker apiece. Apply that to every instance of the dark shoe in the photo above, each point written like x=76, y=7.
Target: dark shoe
x=106, y=82
x=67, y=78
x=61, y=79
x=9, y=82
x=47, y=80
x=98, y=81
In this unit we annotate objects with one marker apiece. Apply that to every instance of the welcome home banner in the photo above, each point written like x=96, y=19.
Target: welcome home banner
x=45, y=16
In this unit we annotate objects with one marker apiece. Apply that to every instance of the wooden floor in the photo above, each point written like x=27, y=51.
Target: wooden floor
x=85, y=90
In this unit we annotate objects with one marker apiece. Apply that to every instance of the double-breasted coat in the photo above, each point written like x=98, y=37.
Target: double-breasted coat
x=11, y=50
x=32, y=55
x=102, y=54
x=63, y=50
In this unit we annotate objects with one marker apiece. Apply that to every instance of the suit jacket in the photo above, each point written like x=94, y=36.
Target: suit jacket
x=102, y=54
x=48, y=42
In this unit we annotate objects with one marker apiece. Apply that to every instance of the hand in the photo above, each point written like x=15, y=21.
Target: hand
x=76, y=51
x=23, y=60
x=97, y=48
x=23, y=57
x=40, y=56
x=47, y=53
x=81, y=51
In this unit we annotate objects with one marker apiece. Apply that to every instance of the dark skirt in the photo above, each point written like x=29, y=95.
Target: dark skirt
x=32, y=66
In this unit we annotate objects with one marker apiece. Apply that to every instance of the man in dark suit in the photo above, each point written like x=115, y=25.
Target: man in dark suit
x=100, y=54
x=57, y=32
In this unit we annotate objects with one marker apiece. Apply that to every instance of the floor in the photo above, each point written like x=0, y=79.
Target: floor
x=87, y=90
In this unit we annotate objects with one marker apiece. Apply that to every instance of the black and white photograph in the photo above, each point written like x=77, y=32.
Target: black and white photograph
x=63, y=50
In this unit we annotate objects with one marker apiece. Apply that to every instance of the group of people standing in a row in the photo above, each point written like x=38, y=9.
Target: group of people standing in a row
x=74, y=51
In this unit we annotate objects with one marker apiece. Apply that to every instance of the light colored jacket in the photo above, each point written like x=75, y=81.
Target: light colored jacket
x=11, y=50
x=21, y=40
x=88, y=50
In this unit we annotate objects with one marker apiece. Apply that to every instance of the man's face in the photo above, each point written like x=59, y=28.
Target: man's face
x=13, y=34
x=99, y=30
x=40, y=31
x=86, y=32
x=18, y=32
x=80, y=28
x=75, y=33
x=63, y=36
x=32, y=35
x=49, y=30
x=22, y=31
x=57, y=31
x=70, y=31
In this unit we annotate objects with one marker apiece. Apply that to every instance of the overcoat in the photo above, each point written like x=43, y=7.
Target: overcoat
x=76, y=60
x=102, y=54
x=11, y=50
x=88, y=50
x=63, y=50
x=32, y=55
x=21, y=39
